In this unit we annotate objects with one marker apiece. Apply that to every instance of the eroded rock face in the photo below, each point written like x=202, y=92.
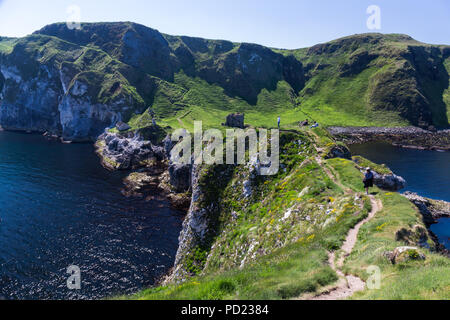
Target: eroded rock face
x=339, y=151
x=430, y=209
x=29, y=104
x=180, y=176
x=124, y=152
x=82, y=120
x=195, y=228
x=46, y=92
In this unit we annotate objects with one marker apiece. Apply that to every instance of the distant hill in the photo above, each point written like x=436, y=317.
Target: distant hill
x=75, y=83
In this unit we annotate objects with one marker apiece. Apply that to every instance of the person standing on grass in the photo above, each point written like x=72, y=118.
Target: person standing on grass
x=368, y=180
x=279, y=122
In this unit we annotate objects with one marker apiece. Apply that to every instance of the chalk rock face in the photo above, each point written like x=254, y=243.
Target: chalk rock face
x=124, y=152
x=29, y=104
x=195, y=228
x=44, y=90
x=235, y=120
x=82, y=120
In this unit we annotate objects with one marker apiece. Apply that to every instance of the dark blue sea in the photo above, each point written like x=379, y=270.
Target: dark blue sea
x=427, y=173
x=58, y=208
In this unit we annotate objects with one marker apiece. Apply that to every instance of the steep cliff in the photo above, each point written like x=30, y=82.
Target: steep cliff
x=372, y=76
x=250, y=237
x=76, y=83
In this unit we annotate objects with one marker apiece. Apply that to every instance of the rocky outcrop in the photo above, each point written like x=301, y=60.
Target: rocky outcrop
x=180, y=177
x=390, y=182
x=407, y=137
x=119, y=152
x=235, y=120
x=431, y=210
x=194, y=232
x=339, y=151
x=404, y=254
x=386, y=181
x=121, y=126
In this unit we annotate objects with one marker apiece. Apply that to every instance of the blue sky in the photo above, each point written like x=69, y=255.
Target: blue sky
x=275, y=23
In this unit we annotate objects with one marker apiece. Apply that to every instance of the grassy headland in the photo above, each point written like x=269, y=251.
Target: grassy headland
x=275, y=244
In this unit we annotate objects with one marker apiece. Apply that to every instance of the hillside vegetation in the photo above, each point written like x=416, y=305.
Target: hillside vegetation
x=128, y=69
x=275, y=244
x=368, y=79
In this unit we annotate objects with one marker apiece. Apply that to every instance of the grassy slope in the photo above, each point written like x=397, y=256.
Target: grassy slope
x=333, y=99
x=6, y=45
x=411, y=280
x=295, y=251
x=328, y=97
x=446, y=96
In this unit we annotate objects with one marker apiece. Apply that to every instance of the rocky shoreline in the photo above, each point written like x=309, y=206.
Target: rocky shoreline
x=151, y=173
x=431, y=210
x=405, y=137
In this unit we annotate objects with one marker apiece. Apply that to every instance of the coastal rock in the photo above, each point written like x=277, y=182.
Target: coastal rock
x=123, y=153
x=195, y=228
x=406, y=137
x=430, y=209
x=168, y=145
x=139, y=184
x=390, y=182
x=180, y=177
x=339, y=151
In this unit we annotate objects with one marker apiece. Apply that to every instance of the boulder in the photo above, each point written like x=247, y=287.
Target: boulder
x=390, y=182
x=235, y=120
x=404, y=254
x=339, y=151
x=412, y=236
x=122, y=126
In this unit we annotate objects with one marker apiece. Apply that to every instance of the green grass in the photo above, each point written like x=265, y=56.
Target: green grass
x=285, y=274
x=6, y=45
x=292, y=259
x=293, y=250
x=429, y=279
x=364, y=163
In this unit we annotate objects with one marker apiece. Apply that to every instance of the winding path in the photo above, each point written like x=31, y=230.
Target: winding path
x=348, y=284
